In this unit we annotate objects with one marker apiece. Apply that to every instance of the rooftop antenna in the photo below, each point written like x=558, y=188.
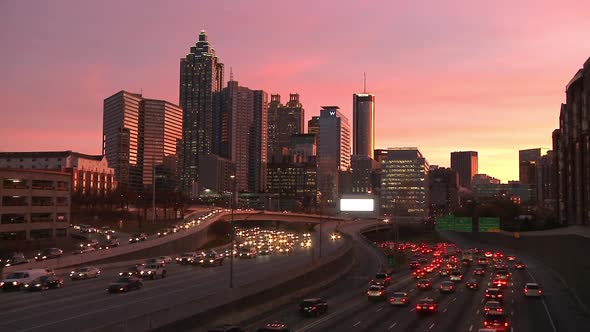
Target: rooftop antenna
x=231, y=74
x=365, y=82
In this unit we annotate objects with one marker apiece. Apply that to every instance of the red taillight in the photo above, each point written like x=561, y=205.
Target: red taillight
x=487, y=295
x=368, y=292
x=506, y=324
x=380, y=293
x=485, y=322
x=540, y=292
x=403, y=300
x=526, y=290
x=417, y=307
x=499, y=295
x=313, y=308
x=431, y=308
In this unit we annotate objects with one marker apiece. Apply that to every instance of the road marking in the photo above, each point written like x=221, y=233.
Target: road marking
x=379, y=309
x=392, y=326
x=431, y=326
x=461, y=290
x=412, y=309
x=544, y=305
x=512, y=313
x=513, y=291
x=357, y=323
x=482, y=300
x=411, y=290
x=445, y=310
x=470, y=327
x=454, y=299
x=477, y=312
x=512, y=300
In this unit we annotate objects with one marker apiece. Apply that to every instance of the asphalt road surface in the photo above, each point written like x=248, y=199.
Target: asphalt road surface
x=349, y=309
x=83, y=305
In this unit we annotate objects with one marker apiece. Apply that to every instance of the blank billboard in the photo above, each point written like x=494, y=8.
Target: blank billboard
x=357, y=205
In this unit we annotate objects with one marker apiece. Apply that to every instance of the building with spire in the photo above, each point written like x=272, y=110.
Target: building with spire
x=201, y=74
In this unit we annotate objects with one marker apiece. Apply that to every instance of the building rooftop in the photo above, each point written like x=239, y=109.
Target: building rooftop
x=49, y=154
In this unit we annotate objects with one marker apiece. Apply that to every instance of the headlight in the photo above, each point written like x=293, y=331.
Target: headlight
x=149, y=272
x=1, y=283
x=120, y=273
x=37, y=285
x=15, y=283
x=80, y=274
x=121, y=289
x=7, y=264
x=27, y=285
x=141, y=272
x=210, y=261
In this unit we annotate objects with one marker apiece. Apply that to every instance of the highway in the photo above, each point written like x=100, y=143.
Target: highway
x=84, y=305
x=349, y=309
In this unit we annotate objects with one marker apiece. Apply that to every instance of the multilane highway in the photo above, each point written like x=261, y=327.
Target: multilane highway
x=84, y=305
x=349, y=309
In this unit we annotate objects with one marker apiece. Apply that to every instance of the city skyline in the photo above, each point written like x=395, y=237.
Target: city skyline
x=493, y=87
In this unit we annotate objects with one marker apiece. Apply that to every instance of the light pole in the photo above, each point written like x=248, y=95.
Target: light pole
x=232, y=231
x=154, y=193
x=320, y=196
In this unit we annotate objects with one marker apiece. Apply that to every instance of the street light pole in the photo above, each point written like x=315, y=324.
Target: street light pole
x=231, y=251
x=154, y=193
x=320, y=194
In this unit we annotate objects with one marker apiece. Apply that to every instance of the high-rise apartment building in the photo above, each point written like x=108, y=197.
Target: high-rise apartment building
x=571, y=143
x=283, y=121
x=363, y=119
x=120, y=141
x=465, y=163
x=201, y=74
x=333, y=151
x=240, y=117
x=404, y=184
x=160, y=127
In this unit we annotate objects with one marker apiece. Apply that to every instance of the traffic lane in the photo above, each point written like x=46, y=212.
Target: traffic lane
x=111, y=307
x=530, y=313
x=97, y=294
x=562, y=308
x=344, y=293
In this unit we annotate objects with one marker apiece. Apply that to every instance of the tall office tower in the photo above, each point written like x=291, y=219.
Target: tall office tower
x=443, y=185
x=333, y=151
x=283, y=121
x=240, y=116
x=363, y=120
x=362, y=168
x=201, y=74
x=313, y=126
x=120, y=126
x=404, y=184
x=465, y=163
x=571, y=143
x=545, y=181
x=527, y=169
x=160, y=126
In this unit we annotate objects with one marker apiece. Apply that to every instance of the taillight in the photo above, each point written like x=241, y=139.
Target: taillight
x=368, y=292
x=499, y=295
x=540, y=291
x=403, y=300
x=418, y=307
x=526, y=290
x=380, y=292
x=431, y=308
x=313, y=308
x=485, y=322
x=506, y=324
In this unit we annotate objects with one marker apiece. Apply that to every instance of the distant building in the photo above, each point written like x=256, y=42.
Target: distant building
x=240, y=117
x=443, y=184
x=546, y=181
x=333, y=152
x=90, y=175
x=34, y=204
x=404, y=184
x=219, y=171
x=313, y=125
x=303, y=148
x=201, y=75
x=294, y=183
x=485, y=186
x=571, y=143
x=379, y=155
x=362, y=168
x=527, y=169
x=283, y=122
x=363, y=118
x=465, y=163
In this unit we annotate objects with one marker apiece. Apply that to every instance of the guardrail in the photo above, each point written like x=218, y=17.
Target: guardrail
x=195, y=313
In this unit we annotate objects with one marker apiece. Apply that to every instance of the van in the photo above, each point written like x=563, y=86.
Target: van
x=17, y=280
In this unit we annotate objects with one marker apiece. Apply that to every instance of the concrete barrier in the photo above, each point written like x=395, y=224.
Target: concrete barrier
x=201, y=311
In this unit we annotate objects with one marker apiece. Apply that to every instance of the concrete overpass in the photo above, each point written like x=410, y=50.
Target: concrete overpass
x=241, y=215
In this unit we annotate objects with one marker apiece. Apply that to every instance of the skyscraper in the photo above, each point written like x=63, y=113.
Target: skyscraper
x=443, y=185
x=404, y=184
x=240, y=116
x=120, y=127
x=313, y=125
x=333, y=151
x=283, y=121
x=363, y=119
x=160, y=126
x=465, y=163
x=201, y=74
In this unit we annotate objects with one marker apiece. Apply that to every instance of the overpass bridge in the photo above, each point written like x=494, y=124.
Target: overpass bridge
x=241, y=215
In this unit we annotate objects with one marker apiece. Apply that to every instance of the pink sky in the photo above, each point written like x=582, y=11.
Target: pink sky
x=448, y=75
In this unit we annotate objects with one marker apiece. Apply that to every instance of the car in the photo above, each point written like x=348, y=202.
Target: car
x=494, y=294
x=426, y=305
x=376, y=292
x=465, y=262
x=84, y=272
x=132, y=271
x=335, y=236
x=18, y=279
x=446, y=287
x=16, y=258
x=165, y=259
x=247, y=252
x=48, y=253
x=44, y=282
x=399, y=299
x=138, y=237
x=498, y=255
x=532, y=289
x=472, y=284
x=486, y=330
x=153, y=271
x=381, y=279
x=314, y=306
x=499, y=282
x=187, y=258
x=488, y=254
x=424, y=284
x=492, y=306
x=418, y=274
x=519, y=265
x=83, y=250
x=483, y=261
x=497, y=321
x=274, y=327
x=109, y=243
x=162, y=233
x=499, y=266
x=264, y=250
x=211, y=258
x=456, y=276
x=125, y=284
x=479, y=271
x=414, y=265
x=444, y=272
x=226, y=328
x=504, y=274
x=510, y=258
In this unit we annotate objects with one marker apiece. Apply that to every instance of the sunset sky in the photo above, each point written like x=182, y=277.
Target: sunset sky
x=448, y=75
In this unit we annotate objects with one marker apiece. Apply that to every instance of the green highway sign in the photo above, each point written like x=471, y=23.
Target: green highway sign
x=489, y=224
x=463, y=224
x=445, y=223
